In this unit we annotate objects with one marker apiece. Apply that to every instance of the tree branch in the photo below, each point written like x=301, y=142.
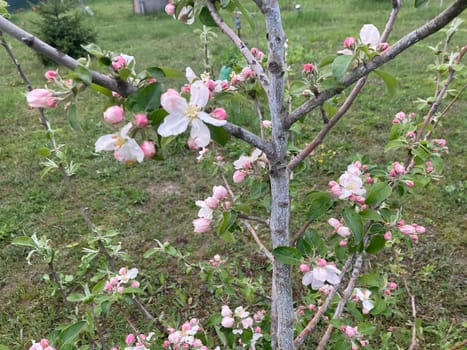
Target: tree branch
x=249, y=138
x=365, y=68
x=62, y=59
x=258, y=241
x=254, y=64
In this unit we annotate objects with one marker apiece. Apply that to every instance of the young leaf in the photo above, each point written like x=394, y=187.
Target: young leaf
x=146, y=98
x=72, y=118
x=206, y=18
x=377, y=243
x=320, y=203
x=104, y=91
x=229, y=219
x=340, y=66
x=219, y=134
x=389, y=80
x=287, y=255
x=76, y=297
x=24, y=241
x=68, y=334
x=378, y=193
x=354, y=222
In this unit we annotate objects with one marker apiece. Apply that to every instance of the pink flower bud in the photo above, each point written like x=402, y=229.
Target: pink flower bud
x=166, y=344
x=227, y=322
x=114, y=114
x=122, y=271
x=197, y=343
x=321, y=262
x=44, y=342
x=387, y=292
x=267, y=124
x=225, y=311
x=219, y=113
x=148, y=148
x=41, y=98
x=210, y=84
x=185, y=88
x=186, y=326
x=349, y=42
x=227, y=205
x=410, y=134
x=407, y=229
x=343, y=243
x=118, y=63
x=238, y=176
x=130, y=339
x=325, y=318
x=439, y=142
x=414, y=238
x=334, y=223
x=141, y=120
x=201, y=225
x=50, y=75
x=308, y=68
x=312, y=307
x=392, y=285
x=135, y=284
x=114, y=281
x=304, y=268
x=211, y=202
x=120, y=289
x=219, y=192
x=383, y=46
x=247, y=322
x=409, y=183
x=336, y=190
x=387, y=236
x=170, y=9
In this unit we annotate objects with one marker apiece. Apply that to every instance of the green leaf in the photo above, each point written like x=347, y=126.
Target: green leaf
x=389, y=80
x=377, y=243
x=340, y=65
x=219, y=134
x=320, y=203
x=206, y=18
x=4, y=347
x=287, y=255
x=354, y=222
x=172, y=73
x=378, y=193
x=327, y=61
x=419, y=3
x=68, y=334
x=370, y=214
x=371, y=279
x=24, y=241
x=105, y=61
x=104, y=91
x=44, y=152
x=76, y=297
x=146, y=98
x=72, y=118
x=131, y=290
x=394, y=144
x=93, y=49
x=311, y=241
x=83, y=74
x=229, y=218
x=156, y=72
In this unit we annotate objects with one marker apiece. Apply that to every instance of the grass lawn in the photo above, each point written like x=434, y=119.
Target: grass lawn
x=155, y=200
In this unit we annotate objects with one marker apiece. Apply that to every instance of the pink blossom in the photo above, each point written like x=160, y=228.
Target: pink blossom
x=343, y=243
x=114, y=114
x=118, y=63
x=267, y=124
x=135, y=284
x=321, y=262
x=197, y=343
x=247, y=322
x=41, y=98
x=219, y=113
x=227, y=205
x=350, y=331
x=387, y=236
x=225, y=311
x=130, y=339
x=141, y=120
x=219, y=192
x=419, y=229
x=407, y=229
x=227, y=322
x=308, y=68
x=387, y=292
x=186, y=326
x=257, y=53
x=440, y=142
x=211, y=85
x=148, y=148
x=170, y=9
x=201, y=225
x=392, y=285
x=409, y=183
x=211, y=202
x=50, y=75
x=238, y=176
x=414, y=238
x=336, y=190
x=44, y=342
x=383, y=46
x=410, y=134
x=247, y=72
x=399, y=168
x=349, y=42
x=304, y=268
x=312, y=307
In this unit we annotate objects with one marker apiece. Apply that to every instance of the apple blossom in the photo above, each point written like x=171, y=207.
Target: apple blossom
x=119, y=62
x=267, y=124
x=41, y=98
x=181, y=114
x=211, y=202
x=128, y=275
x=186, y=15
x=238, y=176
x=392, y=285
x=407, y=229
x=219, y=113
x=351, y=184
x=321, y=274
x=50, y=75
x=114, y=114
x=170, y=9
x=225, y=311
x=148, y=148
x=130, y=339
x=370, y=36
x=363, y=295
x=387, y=236
x=349, y=42
x=141, y=120
x=219, y=192
x=304, y=268
x=308, y=68
x=201, y=225
x=126, y=148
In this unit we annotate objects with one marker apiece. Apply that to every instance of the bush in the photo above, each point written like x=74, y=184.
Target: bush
x=62, y=26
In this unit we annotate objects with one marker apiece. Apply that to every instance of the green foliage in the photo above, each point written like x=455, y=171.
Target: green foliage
x=62, y=27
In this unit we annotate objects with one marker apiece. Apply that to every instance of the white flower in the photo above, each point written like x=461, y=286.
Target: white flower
x=369, y=35
x=321, y=274
x=129, y=275
x=351, y=184
x=182, y=113
x=241, y=312
x=190, y=74
x=205, y=211
x=126, y=148
x=364, y=296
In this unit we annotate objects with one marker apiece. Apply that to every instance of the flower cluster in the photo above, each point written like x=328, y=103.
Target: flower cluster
x=48, y=98
x=354, y=335
x=322, y=273
x=117, y=283
x=207, y=207
x=369, y=36
x=185, y=338
x=245, y=164
x=139, y=342
x=412, y=230
x=217, y=261
x=363, y=295
x=402, y=118
x=350, y=184
x=44, y=344
x=240, y=320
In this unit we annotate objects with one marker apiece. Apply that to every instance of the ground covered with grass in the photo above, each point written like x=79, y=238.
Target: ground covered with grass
x=155, y=200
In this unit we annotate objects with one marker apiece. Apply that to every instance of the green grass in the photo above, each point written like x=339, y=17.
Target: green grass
x=155, y=200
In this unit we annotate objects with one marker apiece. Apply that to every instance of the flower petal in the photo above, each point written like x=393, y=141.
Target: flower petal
x=189, y=74
x=199, y=94
x=105, y=143
x=200, y=133
x=173, y=124
x=210, y=120
x=173, y=103
x=369, y=35
x=307, y=278
x=131, y=152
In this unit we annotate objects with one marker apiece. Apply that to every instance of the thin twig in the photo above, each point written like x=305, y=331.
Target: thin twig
x=345, y=296
x=300, y=231
x=263, y=221
x=414, y=341
x=258, y=241
x=323, y=308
